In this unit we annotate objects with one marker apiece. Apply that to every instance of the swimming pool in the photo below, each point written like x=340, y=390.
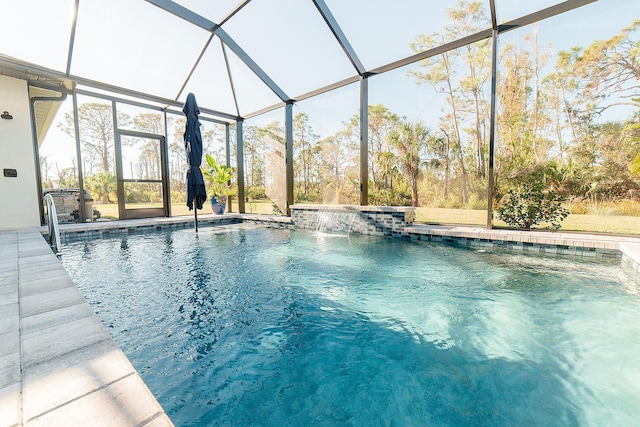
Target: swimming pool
x=242, y=326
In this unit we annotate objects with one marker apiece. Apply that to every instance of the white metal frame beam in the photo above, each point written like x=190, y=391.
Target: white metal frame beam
x=339, y=35
x=72, y=36
x=21, y=66
x=202, y=22
x=493, y=106
x=473, y=38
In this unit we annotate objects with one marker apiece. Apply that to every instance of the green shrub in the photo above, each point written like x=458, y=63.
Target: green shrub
x=453, y=202
x=256, y=193
x=530, y=205
x=476, y=202
x=178, y=197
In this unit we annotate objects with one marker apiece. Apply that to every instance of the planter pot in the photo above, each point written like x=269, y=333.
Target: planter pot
x=216, y=208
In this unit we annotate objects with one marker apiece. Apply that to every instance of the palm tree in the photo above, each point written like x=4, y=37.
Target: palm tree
x=386, y=161
x=411, y=139
x=101, y=185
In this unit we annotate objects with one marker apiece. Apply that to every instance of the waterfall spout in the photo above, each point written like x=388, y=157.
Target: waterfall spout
x=338, y=222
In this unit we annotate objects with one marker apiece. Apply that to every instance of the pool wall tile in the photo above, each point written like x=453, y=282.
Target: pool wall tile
x=80, y=232
x=554, y=244
x=395, y=222
x=369, y=220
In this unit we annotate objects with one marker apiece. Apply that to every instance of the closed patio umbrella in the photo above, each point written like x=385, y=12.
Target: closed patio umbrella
x=196, y=192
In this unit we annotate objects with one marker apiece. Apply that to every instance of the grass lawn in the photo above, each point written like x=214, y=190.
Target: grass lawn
x=613, y=224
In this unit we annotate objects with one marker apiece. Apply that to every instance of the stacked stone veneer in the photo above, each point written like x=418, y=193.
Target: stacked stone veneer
x=604, y=255
x=371, y=220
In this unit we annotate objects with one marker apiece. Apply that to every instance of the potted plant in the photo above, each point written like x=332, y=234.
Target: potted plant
x=218, y=177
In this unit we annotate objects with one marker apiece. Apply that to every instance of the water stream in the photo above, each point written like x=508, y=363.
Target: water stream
x=339, y=222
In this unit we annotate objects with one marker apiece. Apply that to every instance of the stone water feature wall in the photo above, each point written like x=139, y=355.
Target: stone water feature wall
x=372, y=220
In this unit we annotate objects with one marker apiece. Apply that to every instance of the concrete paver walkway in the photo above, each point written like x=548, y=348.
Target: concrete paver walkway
x=58, y=364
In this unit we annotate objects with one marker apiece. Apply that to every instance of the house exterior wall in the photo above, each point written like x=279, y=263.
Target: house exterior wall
x=18, y=196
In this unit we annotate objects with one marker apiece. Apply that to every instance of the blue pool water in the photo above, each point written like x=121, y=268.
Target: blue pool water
x=265, y=327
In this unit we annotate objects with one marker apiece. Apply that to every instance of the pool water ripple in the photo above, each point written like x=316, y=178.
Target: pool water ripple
x=287, y=327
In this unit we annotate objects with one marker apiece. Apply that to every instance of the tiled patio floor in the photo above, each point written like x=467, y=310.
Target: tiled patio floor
x=58, y=364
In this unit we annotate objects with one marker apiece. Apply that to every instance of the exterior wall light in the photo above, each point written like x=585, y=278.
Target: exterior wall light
x=6, y=115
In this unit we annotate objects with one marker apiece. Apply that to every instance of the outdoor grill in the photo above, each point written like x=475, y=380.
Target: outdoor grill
x=67, y=202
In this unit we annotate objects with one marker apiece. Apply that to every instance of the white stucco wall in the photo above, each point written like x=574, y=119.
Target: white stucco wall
x=18, y=196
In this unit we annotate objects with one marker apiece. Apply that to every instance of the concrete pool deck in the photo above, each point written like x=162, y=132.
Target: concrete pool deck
x=59, y=365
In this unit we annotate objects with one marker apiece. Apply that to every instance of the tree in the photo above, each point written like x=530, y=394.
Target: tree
x=381, y=123
x=45, y=166
x=149, y=122
x=558, y=87
x=254, y=157
x=411, y=139
x=539, y=59
x=611, y=178
x=101, y=186
x=465, y=19
x=306, y=162
x=95, y=122
x=611, y=68
x=67, y=177
x=272, y=136
x=339, y=170
x=177, y=159
x=387, y=163
x=465, y=91
x=515, y=132
x=214, y=143
x=150, y=151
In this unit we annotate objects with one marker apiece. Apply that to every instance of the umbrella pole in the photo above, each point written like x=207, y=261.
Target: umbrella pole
x=195, y=213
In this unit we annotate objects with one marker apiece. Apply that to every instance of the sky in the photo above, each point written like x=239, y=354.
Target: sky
x=287, y=38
